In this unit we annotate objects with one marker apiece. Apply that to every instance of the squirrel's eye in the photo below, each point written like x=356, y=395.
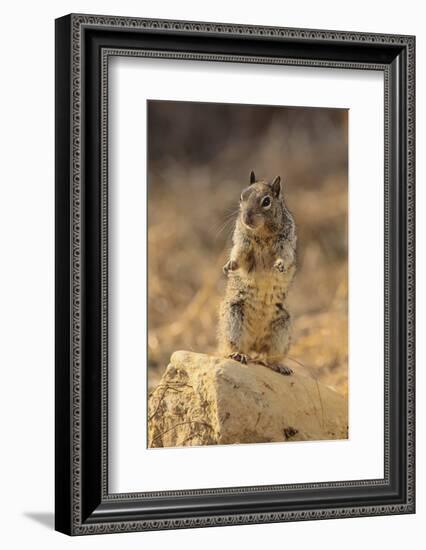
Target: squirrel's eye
x=266, y=202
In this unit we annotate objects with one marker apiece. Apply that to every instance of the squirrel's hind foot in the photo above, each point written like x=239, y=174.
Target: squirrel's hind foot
x=281, y=369
x=240, y=357
x=276, y=367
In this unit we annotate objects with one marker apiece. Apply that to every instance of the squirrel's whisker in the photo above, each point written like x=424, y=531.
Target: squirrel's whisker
x=224, y=225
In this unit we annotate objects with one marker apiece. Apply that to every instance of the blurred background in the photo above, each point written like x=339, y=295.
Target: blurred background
x=199, y=159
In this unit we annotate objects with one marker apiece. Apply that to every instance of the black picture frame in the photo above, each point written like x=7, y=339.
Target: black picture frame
x=83, y=46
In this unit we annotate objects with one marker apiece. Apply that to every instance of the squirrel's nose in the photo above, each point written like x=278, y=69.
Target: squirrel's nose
x=248, y=218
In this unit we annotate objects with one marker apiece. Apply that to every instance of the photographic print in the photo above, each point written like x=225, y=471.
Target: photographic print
x=234, y=274
x=247, y=273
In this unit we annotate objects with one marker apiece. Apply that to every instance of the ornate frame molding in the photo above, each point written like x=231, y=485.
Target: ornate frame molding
x=72, y=46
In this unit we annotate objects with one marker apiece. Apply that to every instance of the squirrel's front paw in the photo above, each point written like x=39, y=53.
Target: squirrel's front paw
x=232, y=265
x=279, y=265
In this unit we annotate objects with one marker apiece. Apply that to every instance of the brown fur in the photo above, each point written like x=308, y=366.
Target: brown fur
x=254, y=321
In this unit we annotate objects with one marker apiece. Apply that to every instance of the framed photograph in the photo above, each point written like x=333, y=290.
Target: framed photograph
x=234, y=274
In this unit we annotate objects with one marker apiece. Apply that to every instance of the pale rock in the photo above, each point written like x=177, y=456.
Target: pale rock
x=208, y=400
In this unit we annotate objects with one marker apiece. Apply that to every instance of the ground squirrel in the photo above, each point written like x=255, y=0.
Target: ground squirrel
x=254, y=322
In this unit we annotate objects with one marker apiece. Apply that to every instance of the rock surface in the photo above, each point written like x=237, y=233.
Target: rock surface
x=207, y=400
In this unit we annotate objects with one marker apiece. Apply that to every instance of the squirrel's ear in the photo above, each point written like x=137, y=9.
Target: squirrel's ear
x=276, y=186
x=252, y=177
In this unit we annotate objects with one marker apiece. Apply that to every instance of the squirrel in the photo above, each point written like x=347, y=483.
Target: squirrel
x=254, y=322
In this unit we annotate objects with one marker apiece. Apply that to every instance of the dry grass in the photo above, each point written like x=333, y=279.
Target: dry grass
x=192, y=202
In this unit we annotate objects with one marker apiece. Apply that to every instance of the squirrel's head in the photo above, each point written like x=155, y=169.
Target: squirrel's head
x=261, y=205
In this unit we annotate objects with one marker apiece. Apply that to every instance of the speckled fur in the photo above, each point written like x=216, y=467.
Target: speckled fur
x=254, y=321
